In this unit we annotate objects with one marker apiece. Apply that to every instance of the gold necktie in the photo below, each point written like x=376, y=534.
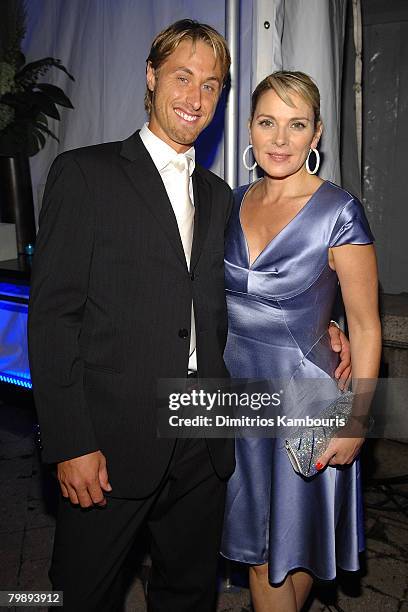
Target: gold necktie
x=184, y=212
x=183, y=206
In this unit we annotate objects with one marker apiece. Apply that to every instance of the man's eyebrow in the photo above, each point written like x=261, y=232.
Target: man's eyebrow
x=188, y=71
x=183, y=69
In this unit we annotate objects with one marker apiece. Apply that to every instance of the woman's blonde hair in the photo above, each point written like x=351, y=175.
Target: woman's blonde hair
x=283, y=83
x=169, y=39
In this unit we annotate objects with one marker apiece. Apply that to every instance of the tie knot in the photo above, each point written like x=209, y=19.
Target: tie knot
x=180, y=162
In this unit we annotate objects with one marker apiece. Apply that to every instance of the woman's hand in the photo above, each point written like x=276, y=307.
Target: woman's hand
x=340, y=344
x=341, y=451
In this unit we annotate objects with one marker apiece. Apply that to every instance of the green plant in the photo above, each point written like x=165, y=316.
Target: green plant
x=25, y=104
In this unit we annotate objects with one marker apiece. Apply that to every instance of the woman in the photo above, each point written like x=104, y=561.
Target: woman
x=292, y=237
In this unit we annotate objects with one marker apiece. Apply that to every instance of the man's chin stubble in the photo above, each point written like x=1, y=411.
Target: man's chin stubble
x=185, y=137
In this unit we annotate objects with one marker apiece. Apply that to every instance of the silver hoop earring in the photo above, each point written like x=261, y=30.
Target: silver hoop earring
x=244, y=159
x=315, y=169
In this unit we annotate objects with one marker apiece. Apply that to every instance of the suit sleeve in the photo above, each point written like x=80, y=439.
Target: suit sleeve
x=60, y=276
x=229, y=207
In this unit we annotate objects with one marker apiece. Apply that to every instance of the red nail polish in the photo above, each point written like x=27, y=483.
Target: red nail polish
x=319, y=465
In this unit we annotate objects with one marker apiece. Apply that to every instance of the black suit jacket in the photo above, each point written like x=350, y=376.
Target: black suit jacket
x=110, y=292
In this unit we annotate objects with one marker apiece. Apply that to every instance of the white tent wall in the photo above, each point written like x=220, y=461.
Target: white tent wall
x=104, y=44
x=246, y=54
x=305, y=35
x=312, y=41
x=260, y=54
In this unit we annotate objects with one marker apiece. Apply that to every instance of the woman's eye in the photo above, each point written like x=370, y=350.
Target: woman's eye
x=298, y=125
x=183, y=79
x=266, y=122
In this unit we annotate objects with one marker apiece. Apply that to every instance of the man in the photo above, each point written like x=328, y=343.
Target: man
x=122, y=295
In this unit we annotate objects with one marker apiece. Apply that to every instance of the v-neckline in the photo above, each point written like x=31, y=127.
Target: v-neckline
x=250, y=265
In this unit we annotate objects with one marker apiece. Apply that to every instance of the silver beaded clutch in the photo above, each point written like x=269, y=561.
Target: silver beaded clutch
x=308, y=444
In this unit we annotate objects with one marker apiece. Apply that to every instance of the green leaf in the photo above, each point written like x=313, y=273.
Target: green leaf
x=40, y=136
x=46, y=130
x=55, y=93
x=33, y=70
x=13, y=99
x=17, y=139
x=12, y=28
x=41, y=118
x=44, y=104
x=30, y=102
x=33, y=145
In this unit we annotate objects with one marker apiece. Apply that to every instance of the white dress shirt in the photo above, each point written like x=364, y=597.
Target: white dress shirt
x=161, y=154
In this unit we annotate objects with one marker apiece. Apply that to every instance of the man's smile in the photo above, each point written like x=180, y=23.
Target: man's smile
x=186, y=116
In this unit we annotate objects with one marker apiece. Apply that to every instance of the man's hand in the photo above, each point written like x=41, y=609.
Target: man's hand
x=341, y=345
x=83, y=479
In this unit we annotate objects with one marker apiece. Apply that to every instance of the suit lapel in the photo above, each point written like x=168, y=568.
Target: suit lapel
x=147, y=182
x=202, y=203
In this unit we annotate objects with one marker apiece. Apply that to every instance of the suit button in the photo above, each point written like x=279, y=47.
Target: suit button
x=192, y=276
x=183, y=333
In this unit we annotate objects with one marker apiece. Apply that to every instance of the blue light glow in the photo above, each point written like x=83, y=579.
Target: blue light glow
x=14, y=367
x=14, y=290
x=14, y=380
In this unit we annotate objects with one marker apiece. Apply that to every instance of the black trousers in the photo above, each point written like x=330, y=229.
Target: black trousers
x=185, y=519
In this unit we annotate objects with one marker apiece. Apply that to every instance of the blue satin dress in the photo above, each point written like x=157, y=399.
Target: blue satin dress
x=279, y=309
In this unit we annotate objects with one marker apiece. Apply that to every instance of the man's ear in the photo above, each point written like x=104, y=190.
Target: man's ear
x=150, y=76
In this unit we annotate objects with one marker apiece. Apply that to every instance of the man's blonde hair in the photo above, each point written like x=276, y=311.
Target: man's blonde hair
x=169, y=39
x=283, y=83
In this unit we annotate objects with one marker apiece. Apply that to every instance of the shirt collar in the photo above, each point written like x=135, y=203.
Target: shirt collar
x=160, y=152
